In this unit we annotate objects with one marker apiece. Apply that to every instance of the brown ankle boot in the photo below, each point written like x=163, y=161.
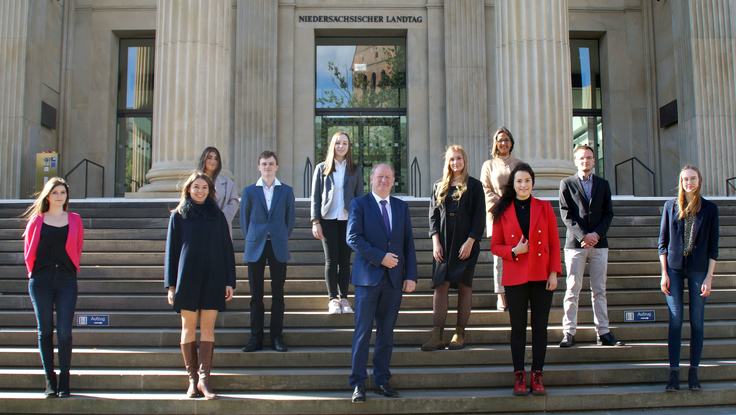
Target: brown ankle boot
x=189, y=351
x=205, y=365
x=436, y=342
x=458, y=340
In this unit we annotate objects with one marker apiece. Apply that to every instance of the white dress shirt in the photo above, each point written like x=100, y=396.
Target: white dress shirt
x=337, y=205
x=268, y=191
x=388, y=208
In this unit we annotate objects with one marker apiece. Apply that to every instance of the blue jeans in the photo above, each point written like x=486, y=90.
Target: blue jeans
x=51, y=288
x=697, y=311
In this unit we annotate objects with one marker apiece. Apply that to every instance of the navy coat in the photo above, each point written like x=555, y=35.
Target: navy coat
x=200, y=261
x=672, y=236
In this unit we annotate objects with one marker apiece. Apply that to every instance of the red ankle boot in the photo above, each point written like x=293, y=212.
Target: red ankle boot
x=520, y=384
x=537, y=387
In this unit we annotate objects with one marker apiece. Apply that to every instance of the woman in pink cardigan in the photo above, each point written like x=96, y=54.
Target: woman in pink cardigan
x=53, y=246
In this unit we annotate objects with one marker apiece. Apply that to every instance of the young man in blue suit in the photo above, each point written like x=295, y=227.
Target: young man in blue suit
x=267, y=219
x=379, y=231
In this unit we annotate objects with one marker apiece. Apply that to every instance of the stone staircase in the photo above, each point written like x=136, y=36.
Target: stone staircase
x=135, y=364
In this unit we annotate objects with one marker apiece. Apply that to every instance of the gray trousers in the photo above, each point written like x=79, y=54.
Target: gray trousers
x=497, y=274
x=575, y=259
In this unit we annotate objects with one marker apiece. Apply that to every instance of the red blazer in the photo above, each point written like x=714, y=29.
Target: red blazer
x=544, y=244
x=74, y=240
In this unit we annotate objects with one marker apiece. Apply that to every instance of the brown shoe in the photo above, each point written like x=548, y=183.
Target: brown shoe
x=458, y=340
x=436, y=342
x=189, y=351
x=205, y=365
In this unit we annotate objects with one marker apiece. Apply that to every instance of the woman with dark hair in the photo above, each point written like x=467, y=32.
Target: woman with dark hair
x=226, y=195
x=494, y=175
x=688, y=249
x=456, y=223
x=525, y=237
x=335, y=183
x=199, y=272
x=52, y=250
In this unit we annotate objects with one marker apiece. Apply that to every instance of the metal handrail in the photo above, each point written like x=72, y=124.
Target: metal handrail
x=416, y=171
x=633, y=176
x=308, y=178
x=729, y=185
x=86, y=175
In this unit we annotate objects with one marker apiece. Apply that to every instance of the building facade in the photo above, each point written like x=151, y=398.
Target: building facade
x=141, y=87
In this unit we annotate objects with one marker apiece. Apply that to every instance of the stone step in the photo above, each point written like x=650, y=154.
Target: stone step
x=339, y=357
x=320, y=337
x=456, y=400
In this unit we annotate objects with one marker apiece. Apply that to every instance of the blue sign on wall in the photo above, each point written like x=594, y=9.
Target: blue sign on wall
x=643, y=315
x=93, y=320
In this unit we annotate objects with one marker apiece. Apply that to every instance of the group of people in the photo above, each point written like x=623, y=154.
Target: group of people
x=200, y=267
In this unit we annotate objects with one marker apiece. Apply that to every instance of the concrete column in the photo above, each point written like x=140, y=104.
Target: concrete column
x=255, y=85
x=13, y=40
x=192, y=95
x=465, y=75
x=705, y=46
x=534, y=92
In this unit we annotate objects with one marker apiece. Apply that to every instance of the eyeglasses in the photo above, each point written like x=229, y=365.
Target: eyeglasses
x=505, y=140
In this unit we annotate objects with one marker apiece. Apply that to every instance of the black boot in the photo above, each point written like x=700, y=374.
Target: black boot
x=674, y=383
x=692, y=379
x=50, y=385
x=64, y=385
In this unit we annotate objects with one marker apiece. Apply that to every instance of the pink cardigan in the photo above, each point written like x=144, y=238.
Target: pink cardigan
x=74, y=240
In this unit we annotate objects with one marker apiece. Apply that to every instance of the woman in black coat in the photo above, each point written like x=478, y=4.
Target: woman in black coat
x=199, y=274
x=456, y=225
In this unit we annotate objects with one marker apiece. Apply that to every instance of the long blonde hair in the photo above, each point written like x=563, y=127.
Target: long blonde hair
x=350, y=166
x=444, y=186
x=692, y=208
x=185, y=189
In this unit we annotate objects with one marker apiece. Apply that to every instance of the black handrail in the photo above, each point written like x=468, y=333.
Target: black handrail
x=86, y=175
x=729, y=185
x=307, y=178
x=416, y=171
x=633, y=176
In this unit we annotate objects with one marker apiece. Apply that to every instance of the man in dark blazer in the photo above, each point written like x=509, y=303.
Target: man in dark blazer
x=267, y=219
x=587, y=210
x=379, y=231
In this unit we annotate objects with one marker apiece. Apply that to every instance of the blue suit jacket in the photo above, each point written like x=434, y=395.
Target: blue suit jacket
x=257, y=222
x=672, y=236
x=367, y=236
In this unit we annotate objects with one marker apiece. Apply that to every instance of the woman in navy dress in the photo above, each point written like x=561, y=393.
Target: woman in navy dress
x=199, y=274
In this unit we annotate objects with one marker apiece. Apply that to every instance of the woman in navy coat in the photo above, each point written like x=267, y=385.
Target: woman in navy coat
x=199, y=274
x=688, y=249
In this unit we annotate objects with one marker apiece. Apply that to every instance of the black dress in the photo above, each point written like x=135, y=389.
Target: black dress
x=455, y=221
x=200, y=261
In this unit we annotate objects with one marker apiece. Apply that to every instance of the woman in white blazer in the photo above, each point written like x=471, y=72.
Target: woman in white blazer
x=336, y=182
x=210, y=163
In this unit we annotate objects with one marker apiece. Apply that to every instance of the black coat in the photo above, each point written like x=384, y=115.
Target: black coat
x=583, y=216
x=470, y=222
x=200, y=261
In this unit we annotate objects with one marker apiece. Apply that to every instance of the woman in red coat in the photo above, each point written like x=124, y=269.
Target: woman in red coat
x=525, y=237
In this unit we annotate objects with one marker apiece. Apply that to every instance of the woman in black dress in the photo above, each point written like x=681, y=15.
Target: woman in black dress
x=199, y=274
x=456, y=225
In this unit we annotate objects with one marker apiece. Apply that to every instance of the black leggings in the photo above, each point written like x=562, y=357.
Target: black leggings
x=337, y=257
x=518, y=298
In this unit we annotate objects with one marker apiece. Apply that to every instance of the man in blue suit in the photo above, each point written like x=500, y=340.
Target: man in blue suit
x=379, y=231
x=267, y=219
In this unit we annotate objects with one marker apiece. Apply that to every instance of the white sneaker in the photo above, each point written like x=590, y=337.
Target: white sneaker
x=346, y=307
x=334, y=306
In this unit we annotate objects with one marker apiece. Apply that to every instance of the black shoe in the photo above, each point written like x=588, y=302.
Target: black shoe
x=568, y=340
x=253, y=345
x=674, y=383
x=50, y=385
x=386, y=391
x=279, y=345
x=692, y=379
x=608, y=340
x=359, y=394
x=64, y=391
